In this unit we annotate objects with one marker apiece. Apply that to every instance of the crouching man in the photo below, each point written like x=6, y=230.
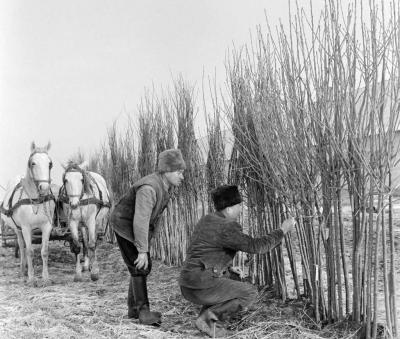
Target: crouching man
x=204, y=279
x=135, y=220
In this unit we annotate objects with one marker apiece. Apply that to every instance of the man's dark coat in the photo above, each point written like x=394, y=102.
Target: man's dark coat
x=214, y=243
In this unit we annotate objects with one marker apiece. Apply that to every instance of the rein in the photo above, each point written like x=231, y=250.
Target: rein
x=82, y=202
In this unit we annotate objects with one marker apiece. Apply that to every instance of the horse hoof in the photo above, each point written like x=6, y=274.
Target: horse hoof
x=77, y=278
x=94, y=276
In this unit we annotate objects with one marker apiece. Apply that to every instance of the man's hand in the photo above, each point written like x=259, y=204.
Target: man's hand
x=288, y=225
x=237, y=270
x=142, y=261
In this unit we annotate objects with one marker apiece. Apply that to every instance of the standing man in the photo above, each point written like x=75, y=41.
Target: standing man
x=135, y=220
x=204, y=279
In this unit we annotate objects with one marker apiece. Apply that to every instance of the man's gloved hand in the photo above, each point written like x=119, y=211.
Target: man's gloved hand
x=142, y=261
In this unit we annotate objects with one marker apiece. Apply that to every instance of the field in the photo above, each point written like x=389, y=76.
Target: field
x=87, y=309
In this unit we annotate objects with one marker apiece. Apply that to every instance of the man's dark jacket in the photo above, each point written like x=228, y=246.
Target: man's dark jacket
x=124, y=211
x=214, y=243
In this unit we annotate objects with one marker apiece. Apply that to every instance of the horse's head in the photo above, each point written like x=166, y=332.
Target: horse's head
x=76, y=183
x=39, y=168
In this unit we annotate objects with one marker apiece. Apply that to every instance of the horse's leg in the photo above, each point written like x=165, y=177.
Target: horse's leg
x=16, y=251
x=46, y=230
x=94, y=267
x=76, y=248
x=22, y=252
x=27, y=234
x=85, y=249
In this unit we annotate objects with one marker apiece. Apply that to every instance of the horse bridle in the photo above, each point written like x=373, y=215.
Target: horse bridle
x=65, y=189
x=38, y=181
x=63, y=196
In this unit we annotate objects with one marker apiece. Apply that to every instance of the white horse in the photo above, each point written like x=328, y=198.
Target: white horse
x=86, y=204
x=29, y=204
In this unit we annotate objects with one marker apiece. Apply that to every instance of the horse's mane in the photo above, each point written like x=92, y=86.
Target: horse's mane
x=87, y=180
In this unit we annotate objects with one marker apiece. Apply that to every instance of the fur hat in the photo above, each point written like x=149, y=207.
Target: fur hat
x=225, y=196
x=170, y=160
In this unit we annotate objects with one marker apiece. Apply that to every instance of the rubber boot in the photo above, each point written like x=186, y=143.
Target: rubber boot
x=146, y=316
x=133, y=312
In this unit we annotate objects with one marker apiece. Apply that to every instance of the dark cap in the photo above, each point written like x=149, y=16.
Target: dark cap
x=225, y=196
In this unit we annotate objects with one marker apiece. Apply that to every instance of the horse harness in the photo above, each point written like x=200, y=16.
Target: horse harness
x=99, y=202
x=8, y=212
x=27, y=201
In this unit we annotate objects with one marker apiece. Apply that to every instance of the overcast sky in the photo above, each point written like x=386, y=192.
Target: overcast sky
x=70, y=68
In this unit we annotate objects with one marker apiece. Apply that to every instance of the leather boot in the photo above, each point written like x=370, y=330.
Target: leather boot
x=207, y=322
x=133, y=312
x=225, y=310
x=146, y=316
